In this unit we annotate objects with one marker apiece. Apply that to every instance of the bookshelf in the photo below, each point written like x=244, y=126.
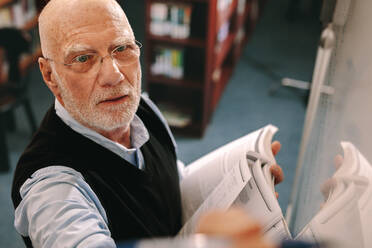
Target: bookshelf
x=22, y=14
x=192, y=47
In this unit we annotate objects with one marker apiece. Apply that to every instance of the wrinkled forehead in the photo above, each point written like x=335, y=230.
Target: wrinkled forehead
x=95, y=35
x=62, y=27
x=84, y=15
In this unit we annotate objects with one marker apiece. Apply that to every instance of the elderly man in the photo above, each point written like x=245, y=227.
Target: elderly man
x=103, y=165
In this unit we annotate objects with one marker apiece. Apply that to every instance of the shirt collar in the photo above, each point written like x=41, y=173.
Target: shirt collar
x=139, y=134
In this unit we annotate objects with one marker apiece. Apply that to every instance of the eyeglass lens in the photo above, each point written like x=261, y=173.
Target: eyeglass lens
x=123, y=55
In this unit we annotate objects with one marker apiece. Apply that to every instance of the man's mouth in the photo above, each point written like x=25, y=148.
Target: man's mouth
x=118, y=99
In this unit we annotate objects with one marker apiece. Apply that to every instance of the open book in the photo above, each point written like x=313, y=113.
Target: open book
x=237, y=174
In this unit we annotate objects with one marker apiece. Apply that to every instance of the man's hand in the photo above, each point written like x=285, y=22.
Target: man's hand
x=276, y=170
x=235, y=225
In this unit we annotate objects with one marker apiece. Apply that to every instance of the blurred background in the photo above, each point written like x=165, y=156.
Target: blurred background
x=216, y=70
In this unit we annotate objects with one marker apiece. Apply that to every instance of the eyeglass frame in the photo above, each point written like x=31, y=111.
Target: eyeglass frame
x=139, y=44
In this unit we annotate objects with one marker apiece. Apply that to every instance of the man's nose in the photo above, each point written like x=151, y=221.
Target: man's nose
x=109, y=73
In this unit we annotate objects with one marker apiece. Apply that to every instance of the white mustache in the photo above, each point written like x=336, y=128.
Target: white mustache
x=122, y=90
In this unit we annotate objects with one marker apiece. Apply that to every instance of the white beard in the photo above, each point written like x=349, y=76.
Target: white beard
x=94, y=116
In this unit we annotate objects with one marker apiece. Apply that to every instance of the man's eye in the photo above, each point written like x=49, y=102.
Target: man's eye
x=82, y=58
x=120, y=48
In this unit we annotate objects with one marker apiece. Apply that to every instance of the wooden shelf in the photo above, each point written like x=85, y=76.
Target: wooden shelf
x=184, y=1
x=30, y=24
x=223, y=50
x=195, y=42
x=225, y=15
x=220, y=85
x=243, y=17
x=208, y=66
x=239, y=47
x=193, y=129
x=4, y=3
x=192, y=84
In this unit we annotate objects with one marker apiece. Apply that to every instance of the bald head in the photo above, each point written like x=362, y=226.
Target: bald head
x=61, y=18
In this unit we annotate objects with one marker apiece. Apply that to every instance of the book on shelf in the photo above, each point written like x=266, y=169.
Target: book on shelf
x=205, y=30
x=168, y=62
x=17, y=14
x=5, y=17
x=222, y=35
x=239, y=36
x=170, y=20
x=4, y=67
x=223, y=32
x=223, y=4
x=254, y=10
x=238, y=174
x=241, y=6
x=175, y=116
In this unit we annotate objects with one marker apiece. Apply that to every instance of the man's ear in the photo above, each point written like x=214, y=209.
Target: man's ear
x=49, y=79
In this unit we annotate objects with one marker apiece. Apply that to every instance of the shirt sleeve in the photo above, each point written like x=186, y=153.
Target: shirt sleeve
x=59, y=209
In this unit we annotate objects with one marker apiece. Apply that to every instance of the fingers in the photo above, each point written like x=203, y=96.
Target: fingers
x=277, y=172
x=235, y=225
x=252, y=242
x=326, y=187
x=275, y=147
x=232, y=223
x=338, y=160
x=277, y=195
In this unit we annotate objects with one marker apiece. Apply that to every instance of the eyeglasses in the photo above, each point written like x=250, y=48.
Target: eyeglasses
x=123, y=55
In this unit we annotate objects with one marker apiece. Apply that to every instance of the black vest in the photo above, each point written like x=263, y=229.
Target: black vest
x=138, y=204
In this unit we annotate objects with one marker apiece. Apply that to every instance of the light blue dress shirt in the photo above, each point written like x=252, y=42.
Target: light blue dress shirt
x=59, y=209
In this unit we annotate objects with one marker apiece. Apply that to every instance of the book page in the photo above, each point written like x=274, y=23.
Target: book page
x=211, y=182
x=259, y=201
x=202, y=176
x=222, y=196
x=243, y=144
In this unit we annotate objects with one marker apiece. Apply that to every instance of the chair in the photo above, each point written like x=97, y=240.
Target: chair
x=13, y=93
